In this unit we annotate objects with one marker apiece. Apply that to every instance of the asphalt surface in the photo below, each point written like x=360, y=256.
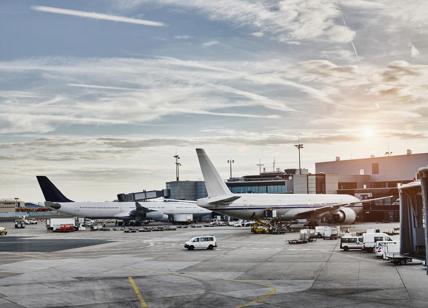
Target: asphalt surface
x=30, y=244
x=246, y=270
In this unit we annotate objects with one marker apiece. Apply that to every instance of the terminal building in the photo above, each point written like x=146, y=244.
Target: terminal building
x=374, y=172
x=289, y=181
x=10, y=205
x=375, y=177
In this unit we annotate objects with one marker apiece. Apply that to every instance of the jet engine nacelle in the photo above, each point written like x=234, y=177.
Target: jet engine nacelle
x=345, y=215
x=158, y=216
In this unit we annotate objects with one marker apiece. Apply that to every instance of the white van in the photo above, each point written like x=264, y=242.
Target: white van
x=349, y=241
x=370, y=239
x=201, y=242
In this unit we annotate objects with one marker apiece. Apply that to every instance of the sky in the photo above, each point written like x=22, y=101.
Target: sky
x=100, y=95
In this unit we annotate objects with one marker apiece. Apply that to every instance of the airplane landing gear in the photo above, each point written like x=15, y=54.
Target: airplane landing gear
x=271, y=226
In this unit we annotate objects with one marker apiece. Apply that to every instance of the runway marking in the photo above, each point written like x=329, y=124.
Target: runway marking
x=261, y=298
x=137, y=292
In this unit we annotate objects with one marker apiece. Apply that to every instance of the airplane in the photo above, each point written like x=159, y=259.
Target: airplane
x=342, y=208
x=154, y=210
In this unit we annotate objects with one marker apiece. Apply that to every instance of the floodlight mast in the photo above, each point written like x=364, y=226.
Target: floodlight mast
x=177, y=167
x=230, y=162
x=299, y=146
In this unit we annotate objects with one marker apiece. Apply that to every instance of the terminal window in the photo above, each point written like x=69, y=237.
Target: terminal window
x=375, y=168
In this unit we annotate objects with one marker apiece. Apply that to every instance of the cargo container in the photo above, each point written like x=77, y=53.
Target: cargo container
x=183, y=218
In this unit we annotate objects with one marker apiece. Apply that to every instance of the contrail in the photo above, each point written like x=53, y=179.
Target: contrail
x=352, y=42
x=93, y=15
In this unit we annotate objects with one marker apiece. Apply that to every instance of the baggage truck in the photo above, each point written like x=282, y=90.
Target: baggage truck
x=59, y=224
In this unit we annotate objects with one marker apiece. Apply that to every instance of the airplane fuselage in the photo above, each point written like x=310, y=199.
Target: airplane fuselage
x=122, y=210
x=287, y=206
x=119, y=210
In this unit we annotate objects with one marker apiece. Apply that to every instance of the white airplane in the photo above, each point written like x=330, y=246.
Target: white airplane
x=342, y=208
x=154, y=210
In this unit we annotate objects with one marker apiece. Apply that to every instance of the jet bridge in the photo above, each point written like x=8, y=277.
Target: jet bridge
x=143, y=195
x=413, y=217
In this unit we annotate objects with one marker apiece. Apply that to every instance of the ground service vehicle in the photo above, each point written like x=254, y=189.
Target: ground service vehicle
x=29, y=221
x=201, y=242
x=391, y=250
x=349, y=241
x=3, y=231
x=307, y=235
x=381, y=247
x=370, y=238
x=65, y=228
x=54, y=224
x=19, y=224
x=331, y=233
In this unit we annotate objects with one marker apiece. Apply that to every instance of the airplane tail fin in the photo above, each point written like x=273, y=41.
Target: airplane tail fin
x=50, y=191
x=213, y=182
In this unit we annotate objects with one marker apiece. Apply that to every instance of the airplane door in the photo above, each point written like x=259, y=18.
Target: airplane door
x=197, y=243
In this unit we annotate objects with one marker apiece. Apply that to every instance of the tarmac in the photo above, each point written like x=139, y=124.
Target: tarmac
x=152, y=269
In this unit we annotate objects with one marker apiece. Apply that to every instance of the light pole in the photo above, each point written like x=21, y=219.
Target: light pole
x=299, y=146
x=260, y=165
x=230, y=162
x=177, y=167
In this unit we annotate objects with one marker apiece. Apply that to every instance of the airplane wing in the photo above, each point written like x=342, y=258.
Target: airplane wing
x=223, y=200
x=177, y=200
x=333, y=207
x=123, y=215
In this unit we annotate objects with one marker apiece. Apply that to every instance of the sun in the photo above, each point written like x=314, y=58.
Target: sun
x=368, y=132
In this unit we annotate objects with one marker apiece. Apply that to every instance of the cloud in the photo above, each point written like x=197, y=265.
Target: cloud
x=407, y=13
x=210, y=43
x=93, y=86
x=414, y=52
x=154, y=88
x=362, y=4
x=257, y=34
x=143, y=92
x=99, y=16
x=287, y=20
x=182, y=37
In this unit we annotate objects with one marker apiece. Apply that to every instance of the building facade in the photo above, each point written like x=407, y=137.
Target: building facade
x=384, y=171
x=186, y=190
x=10, y=205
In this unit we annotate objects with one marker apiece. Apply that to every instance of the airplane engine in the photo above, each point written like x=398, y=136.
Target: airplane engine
x=158, y=216
x=345, y=215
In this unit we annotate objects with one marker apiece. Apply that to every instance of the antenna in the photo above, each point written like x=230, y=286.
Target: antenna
x=388, y=153
x=260, y=165
x=273, y=164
